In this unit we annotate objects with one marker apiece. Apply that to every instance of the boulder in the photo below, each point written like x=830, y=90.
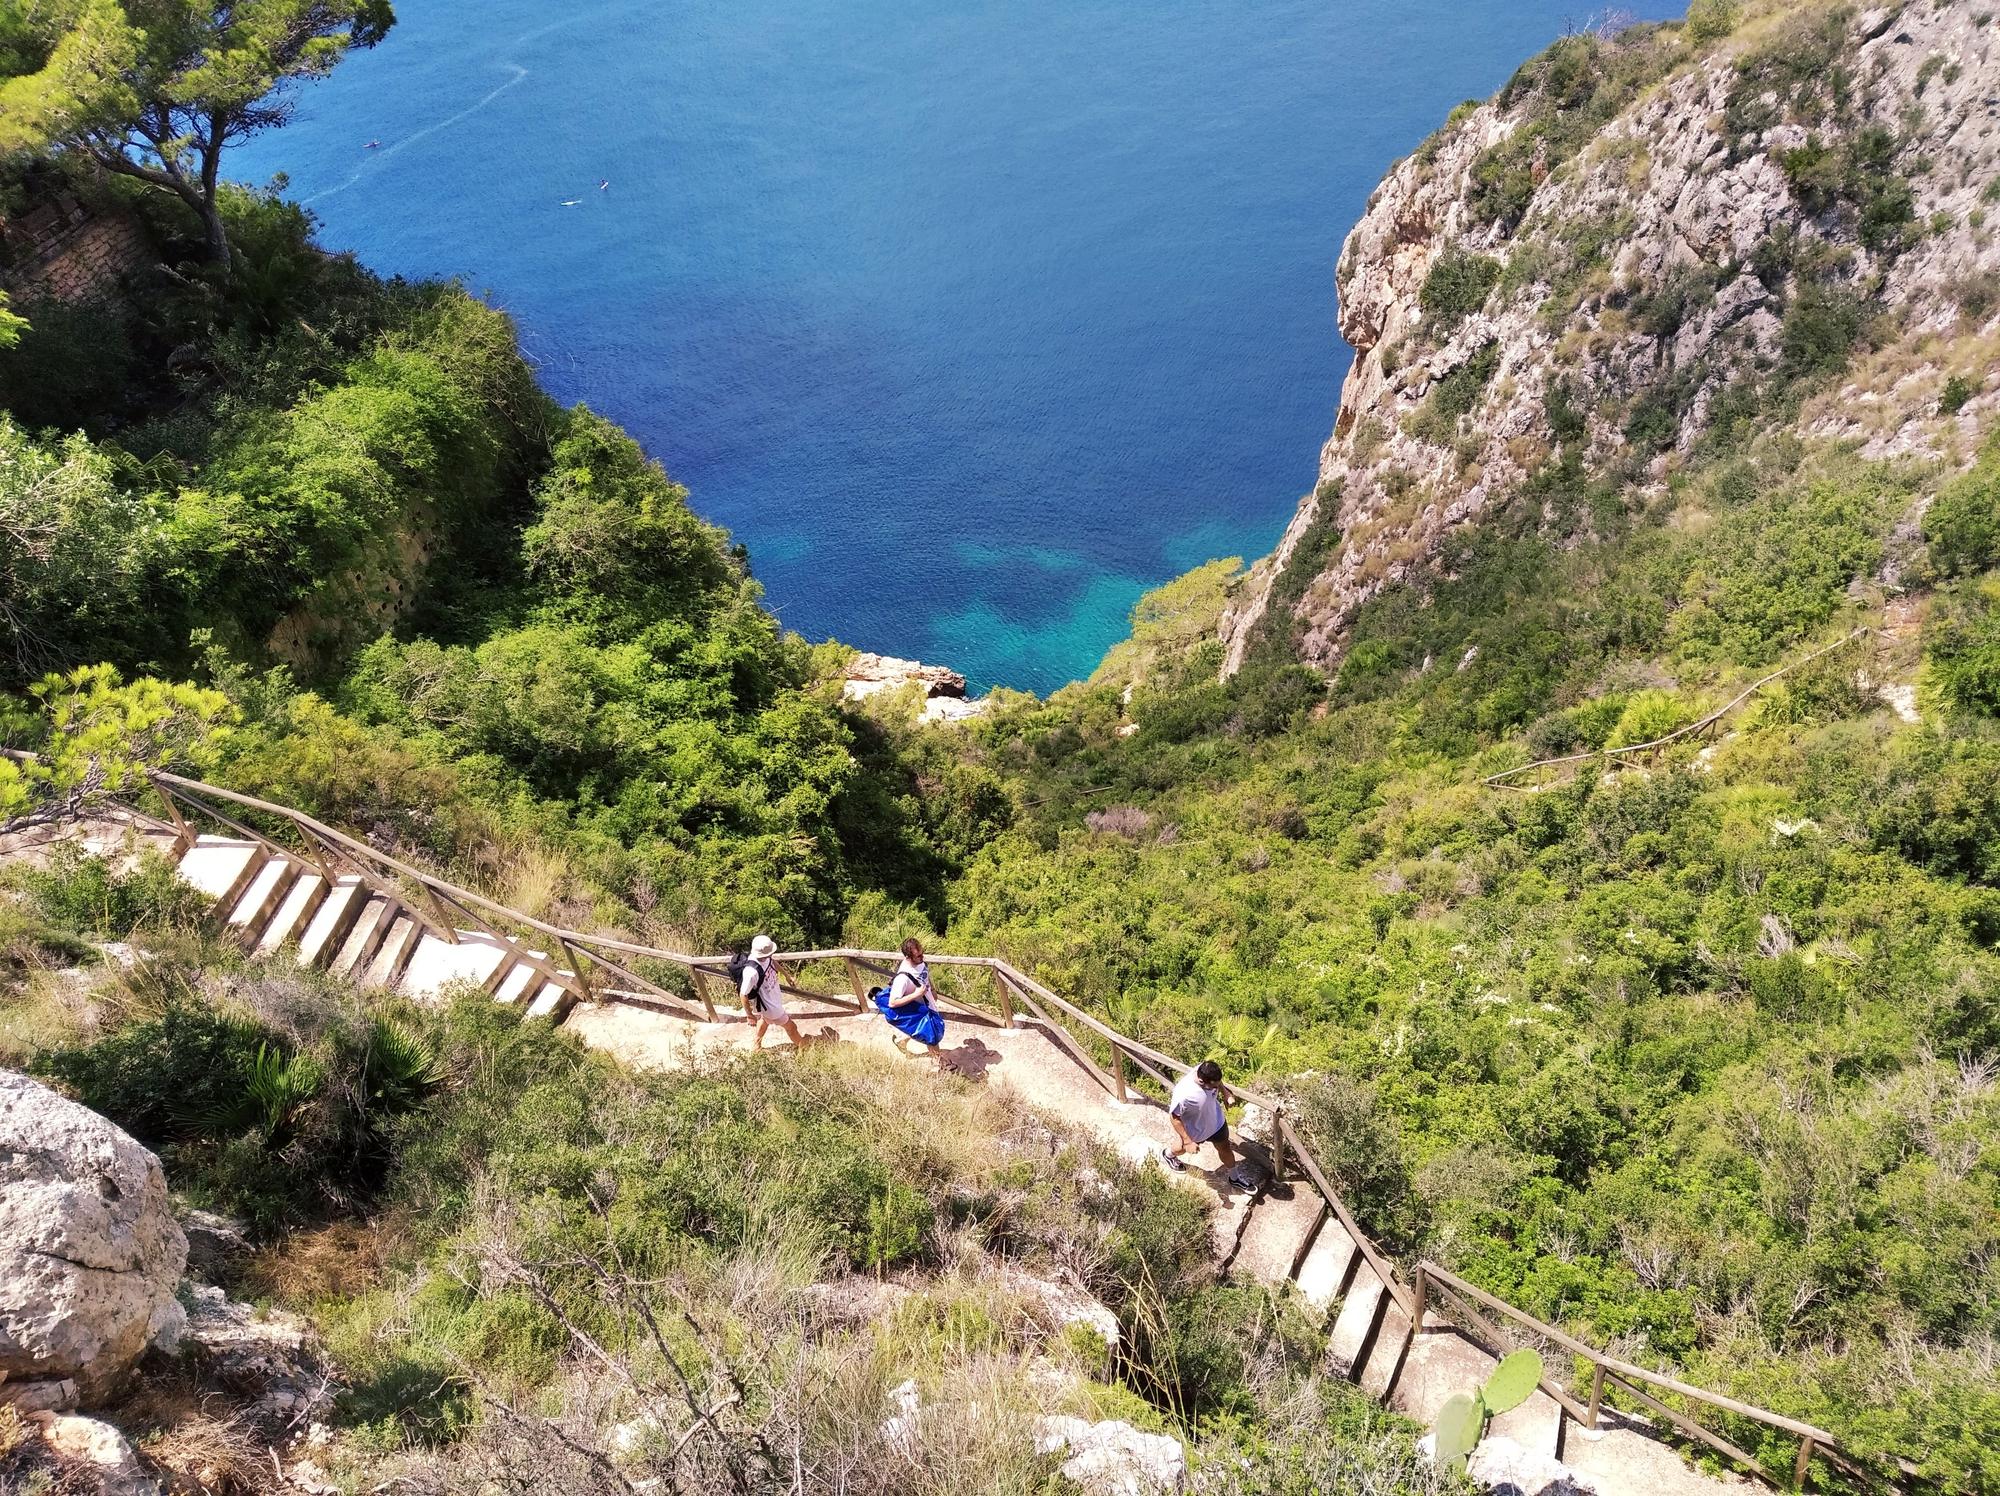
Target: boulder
x=93, y=1456
x=1506, y=1468
x=1065, y=1305
x=90, y=1255
x=1113, y=1458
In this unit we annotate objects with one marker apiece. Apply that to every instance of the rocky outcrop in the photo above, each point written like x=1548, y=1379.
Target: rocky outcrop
x=269, y=1361
x=943, y=689
x=1112, y=1458
x=90, y=1255
x=1527, y=288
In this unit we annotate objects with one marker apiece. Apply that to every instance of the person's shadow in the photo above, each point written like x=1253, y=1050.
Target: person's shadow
x=972, y=1059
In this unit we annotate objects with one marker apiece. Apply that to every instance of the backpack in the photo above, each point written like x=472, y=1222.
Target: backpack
x=738, y=964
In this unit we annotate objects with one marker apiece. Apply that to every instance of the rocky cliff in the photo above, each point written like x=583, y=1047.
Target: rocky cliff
x=1650, y=242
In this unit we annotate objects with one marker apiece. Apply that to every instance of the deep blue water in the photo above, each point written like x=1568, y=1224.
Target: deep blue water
x=973, y=321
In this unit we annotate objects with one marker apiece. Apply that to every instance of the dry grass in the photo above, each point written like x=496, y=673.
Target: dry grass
x=328, y=1262
x=204, y=1453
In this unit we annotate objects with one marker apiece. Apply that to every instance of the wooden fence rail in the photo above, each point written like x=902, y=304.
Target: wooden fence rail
x=1020, y=999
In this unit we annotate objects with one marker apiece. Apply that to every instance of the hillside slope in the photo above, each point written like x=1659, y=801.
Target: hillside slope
x=1650, y=244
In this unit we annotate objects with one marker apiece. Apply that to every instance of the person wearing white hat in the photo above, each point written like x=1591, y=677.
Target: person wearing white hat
x=763, y=1000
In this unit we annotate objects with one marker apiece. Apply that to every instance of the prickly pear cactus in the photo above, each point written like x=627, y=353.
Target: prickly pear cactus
x=1459, y=1423
x=1512, y=1383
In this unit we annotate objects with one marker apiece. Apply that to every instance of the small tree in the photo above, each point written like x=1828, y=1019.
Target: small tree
x=155, y=89
x=95, y=736
x=11, y=326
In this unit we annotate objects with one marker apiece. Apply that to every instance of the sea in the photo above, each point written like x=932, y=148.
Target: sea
x=972, y=319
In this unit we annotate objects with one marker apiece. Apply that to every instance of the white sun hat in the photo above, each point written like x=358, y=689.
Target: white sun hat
x=763, y=946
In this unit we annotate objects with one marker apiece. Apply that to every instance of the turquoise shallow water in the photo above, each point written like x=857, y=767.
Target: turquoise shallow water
x=973, y=321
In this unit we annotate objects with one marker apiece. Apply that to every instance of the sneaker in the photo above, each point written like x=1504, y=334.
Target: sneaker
x=1172, y=1161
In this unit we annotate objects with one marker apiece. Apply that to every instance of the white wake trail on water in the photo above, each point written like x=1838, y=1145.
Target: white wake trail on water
x=520, y=76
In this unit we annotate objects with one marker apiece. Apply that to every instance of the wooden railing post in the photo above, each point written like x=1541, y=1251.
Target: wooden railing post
x=1278, y=1147
x=184, y=834
x=701, y=990
x=575, y=958
x=1118, y=1075
x=444, y=925
x=1006, y=995
x=1805, y=1459
x=858, y=983
x=1422, y=1293
x=1596, y=1392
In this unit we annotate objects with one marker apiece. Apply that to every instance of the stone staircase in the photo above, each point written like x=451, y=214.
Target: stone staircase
x=274, y=904
x=280, y=906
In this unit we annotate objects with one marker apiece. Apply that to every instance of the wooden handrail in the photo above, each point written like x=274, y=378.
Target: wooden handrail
x=1034, y=995
x=1688, y=731
x=1635, y=1379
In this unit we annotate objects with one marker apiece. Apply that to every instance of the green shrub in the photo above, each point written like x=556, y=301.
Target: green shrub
x=1710, y=20
x=1457, y=286
x=1962, y=524
x=1962, y=644
x=95, y=897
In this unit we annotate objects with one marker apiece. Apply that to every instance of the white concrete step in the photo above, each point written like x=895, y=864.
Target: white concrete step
x=1271, y=1240
x=1536, y=1425
x=299, y=904
x=1442, y=1363
x=1323, y=1275
x=1351, y=1327
x=521, y=978
x=552, y=1001
x=437, y=964
x=396, y=948
x=1388, y=1350
x=221, y=867
x=378, y=913
x=332, y=921
x=254, y=908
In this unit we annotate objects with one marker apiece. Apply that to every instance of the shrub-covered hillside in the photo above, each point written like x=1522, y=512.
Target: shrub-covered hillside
x=480, y=628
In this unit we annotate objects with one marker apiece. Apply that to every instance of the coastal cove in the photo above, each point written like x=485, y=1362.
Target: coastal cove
x=970, y=324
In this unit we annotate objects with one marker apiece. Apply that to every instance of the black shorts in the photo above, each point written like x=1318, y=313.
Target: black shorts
x=1220, y=1135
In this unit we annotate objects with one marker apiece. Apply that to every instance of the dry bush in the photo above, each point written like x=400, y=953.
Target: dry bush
x=205, y=1453
x=1119, y=820
x=310, y=1267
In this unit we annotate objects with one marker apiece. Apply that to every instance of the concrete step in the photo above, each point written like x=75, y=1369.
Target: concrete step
x=436, y=963
x=1325, y=1274
x=332, y=921
x=1442, y=1362
x=378, y=913
x=1381, y=1366
x=553, y=1001
x=519, y=980
x=396, y=949
x=307, y=893
x=222, y=867
x=1271, y=1239
x=1536, y=1425
x=1353, y=1328
x=254, y=908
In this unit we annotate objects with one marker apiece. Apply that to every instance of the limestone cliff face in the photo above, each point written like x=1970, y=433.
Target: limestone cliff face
x=1643, y=237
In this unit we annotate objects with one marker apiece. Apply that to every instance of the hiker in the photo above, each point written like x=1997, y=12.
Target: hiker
x=1195, y=1109
x=763, y=1003
x=909, y=1003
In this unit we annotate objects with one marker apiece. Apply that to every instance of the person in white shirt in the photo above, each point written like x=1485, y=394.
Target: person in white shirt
x=763, y=1000
x=1195, y=1109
